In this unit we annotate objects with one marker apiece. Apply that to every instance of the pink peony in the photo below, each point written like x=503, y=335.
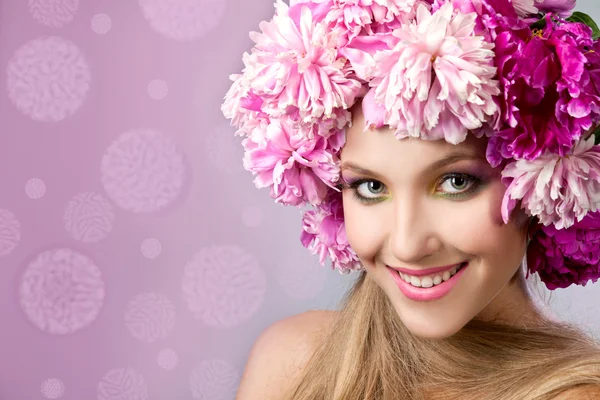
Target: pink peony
x=324, y=233
x=361, y=27
x=557, y=190
x=437, y=80
x=296, y=168
x=373, y=112
x=567, y=256
x=298, y=68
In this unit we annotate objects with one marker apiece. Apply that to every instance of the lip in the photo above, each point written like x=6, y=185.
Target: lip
x=427, y=294
x=428, y=271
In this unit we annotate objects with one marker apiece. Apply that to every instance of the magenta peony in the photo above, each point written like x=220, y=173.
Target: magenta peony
x=566, y=256
x=561, y=7
x=549, y=95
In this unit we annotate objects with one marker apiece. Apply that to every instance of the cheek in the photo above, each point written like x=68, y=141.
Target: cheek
x=363, y=227
x=482, y=230
x=496, y=194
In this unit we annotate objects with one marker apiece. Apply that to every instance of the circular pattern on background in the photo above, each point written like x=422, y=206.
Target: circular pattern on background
x=224, y=150
x=151, y=248
x=223, y=285
x=53, y=13
x=52, y=388
x=61, y=291
x=150, y=317
x=48, y=79
x=252, y=216
x=213, y=380
x=301, y=278
x=35, y=188
x=122, y=384
x=89, y=217
x=167, y=359
x=143, y=171
x=158, y=89
x=183, y=20
x=101, y=24
x=10, y=232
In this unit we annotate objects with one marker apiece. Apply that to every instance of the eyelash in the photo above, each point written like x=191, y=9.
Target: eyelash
x=354, y=184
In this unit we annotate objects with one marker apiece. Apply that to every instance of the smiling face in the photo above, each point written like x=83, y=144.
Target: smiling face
x=425, y=204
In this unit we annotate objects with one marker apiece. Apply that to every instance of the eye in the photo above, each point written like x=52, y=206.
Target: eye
x=457, y=184
x=365, y=190
x=453, y=185
x=369, y=188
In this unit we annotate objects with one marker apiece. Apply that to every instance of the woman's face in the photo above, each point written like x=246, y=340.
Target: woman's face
x=413, y=213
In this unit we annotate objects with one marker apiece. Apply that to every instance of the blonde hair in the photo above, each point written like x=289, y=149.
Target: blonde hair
x=368, y=353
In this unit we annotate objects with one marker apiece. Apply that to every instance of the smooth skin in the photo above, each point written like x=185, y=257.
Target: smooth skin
x=413, y=223
x=429, y=204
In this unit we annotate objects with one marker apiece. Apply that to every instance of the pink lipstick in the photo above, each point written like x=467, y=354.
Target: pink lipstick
x=431, y=293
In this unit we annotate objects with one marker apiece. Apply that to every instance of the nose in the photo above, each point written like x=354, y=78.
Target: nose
x=413, y=234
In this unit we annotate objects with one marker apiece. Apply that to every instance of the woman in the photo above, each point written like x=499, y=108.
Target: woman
x=447, y=148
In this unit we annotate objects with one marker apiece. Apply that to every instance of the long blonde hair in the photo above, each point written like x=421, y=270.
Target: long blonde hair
x=369, y=354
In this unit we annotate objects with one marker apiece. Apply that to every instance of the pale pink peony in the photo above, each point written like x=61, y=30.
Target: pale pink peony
x=464, y=6
x=560, y=7
x=349, y=17
x=557, y=190
x=437, y=82
x=298, y=67
x=296, y=168
x=525, y=8
x=369, y=16
x=361, y=51
x=323, y=127
x=388, y=10
x=234, y=101
x=324, y=233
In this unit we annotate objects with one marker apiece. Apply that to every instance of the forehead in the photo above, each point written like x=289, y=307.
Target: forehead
x=380, y=146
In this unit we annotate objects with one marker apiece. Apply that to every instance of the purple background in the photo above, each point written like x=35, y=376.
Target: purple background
x=137, y=259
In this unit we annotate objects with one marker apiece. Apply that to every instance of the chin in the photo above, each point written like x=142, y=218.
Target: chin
x=431, y=327
x=433, y=332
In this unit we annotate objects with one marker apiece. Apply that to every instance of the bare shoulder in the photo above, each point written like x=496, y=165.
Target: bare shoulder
x=280, y=353
x=584, y=392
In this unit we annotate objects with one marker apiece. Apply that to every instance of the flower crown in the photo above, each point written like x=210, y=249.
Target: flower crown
x=525, y=74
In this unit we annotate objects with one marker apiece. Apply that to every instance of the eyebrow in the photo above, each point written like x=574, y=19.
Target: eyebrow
x=441, y=163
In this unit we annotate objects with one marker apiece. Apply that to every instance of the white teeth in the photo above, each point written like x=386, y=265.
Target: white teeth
x=428, y=281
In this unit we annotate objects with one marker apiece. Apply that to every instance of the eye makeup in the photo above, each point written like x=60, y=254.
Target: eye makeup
x=354, y=184
x=474, y=181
